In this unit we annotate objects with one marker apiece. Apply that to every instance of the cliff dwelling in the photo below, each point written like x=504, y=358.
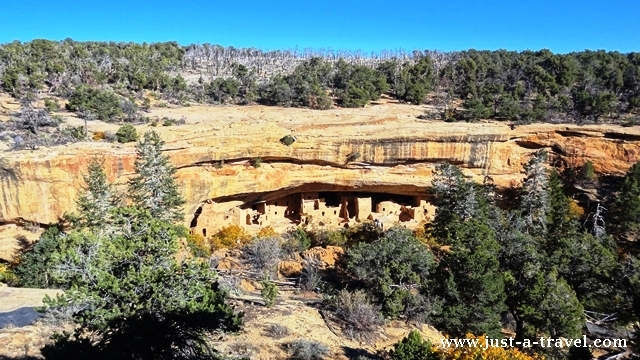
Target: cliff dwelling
x=334, y=209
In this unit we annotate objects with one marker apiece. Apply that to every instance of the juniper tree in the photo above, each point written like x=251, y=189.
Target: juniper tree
x=98, y=197
x=132, y=299
x=406, y=265
x=522, y=263
x=154, y=188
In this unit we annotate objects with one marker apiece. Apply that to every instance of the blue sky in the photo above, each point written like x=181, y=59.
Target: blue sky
x=559, y=25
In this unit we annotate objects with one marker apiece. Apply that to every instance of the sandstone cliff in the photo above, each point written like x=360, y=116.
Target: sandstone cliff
x=398, y=154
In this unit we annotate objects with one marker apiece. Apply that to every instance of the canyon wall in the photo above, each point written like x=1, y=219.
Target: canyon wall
x=397, y=155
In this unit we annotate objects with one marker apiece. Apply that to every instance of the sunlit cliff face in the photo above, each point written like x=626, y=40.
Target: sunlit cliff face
x=213, y=154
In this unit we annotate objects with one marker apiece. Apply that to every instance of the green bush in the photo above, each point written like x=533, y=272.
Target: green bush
x=397, y=258
x=588, y=172
x=76, y=132
x=127, y=133
x=353, y=156
x=36, y=266
x=269, y=292
x=51, y=105
x=104, y=104
x=288, y=140
x=256, y=163
x=413, y=347
x=296, y=240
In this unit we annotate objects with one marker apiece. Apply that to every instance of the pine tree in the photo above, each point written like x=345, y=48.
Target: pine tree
x=154, y=188
x=98, y=197
x=455, y=199
x=559, y=218
x=467, y=281
x=625, y=211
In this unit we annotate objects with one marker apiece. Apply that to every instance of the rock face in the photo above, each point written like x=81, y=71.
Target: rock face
x=397, y=155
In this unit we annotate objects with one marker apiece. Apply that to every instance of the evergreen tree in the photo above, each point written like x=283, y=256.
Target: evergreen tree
x=467, y=280
x=560, y=310
x=522, y=262
x=154, y=188
x=413, y=347
x=133, y=299
x=559, y=218
x=534, y=202
x=36, y=266
x=392, y=267
x=98, y=197
x=455, y=199
x=624, y=216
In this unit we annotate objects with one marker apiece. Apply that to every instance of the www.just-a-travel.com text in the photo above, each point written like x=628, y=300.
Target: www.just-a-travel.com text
x=527, y=343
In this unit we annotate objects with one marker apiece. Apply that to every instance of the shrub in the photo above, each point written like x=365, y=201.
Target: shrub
x=35, y=268
x=311, y=276
x=51, y=105
x=263, y=255
x=198, y=246
x=353, y=156
x=396, y=259
x=588, y=172
x=366, y=232
x=288, y=140
x=127, y=133
x=630, y=123
x=76, y=132
x=232, y=236
x=7, y=276
x=307, y=350
x=98, y=135
x=256, y=163
x=361, y=317
x=166, y=121
x=266, y=232
x=327, y=237
x=277, y=331
x=269, y=292
x=231, y=284
x=219, y=164
x=104, y=104
x=34, y=120
x=296, y=241
x=413, y=347
x=110, y=137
